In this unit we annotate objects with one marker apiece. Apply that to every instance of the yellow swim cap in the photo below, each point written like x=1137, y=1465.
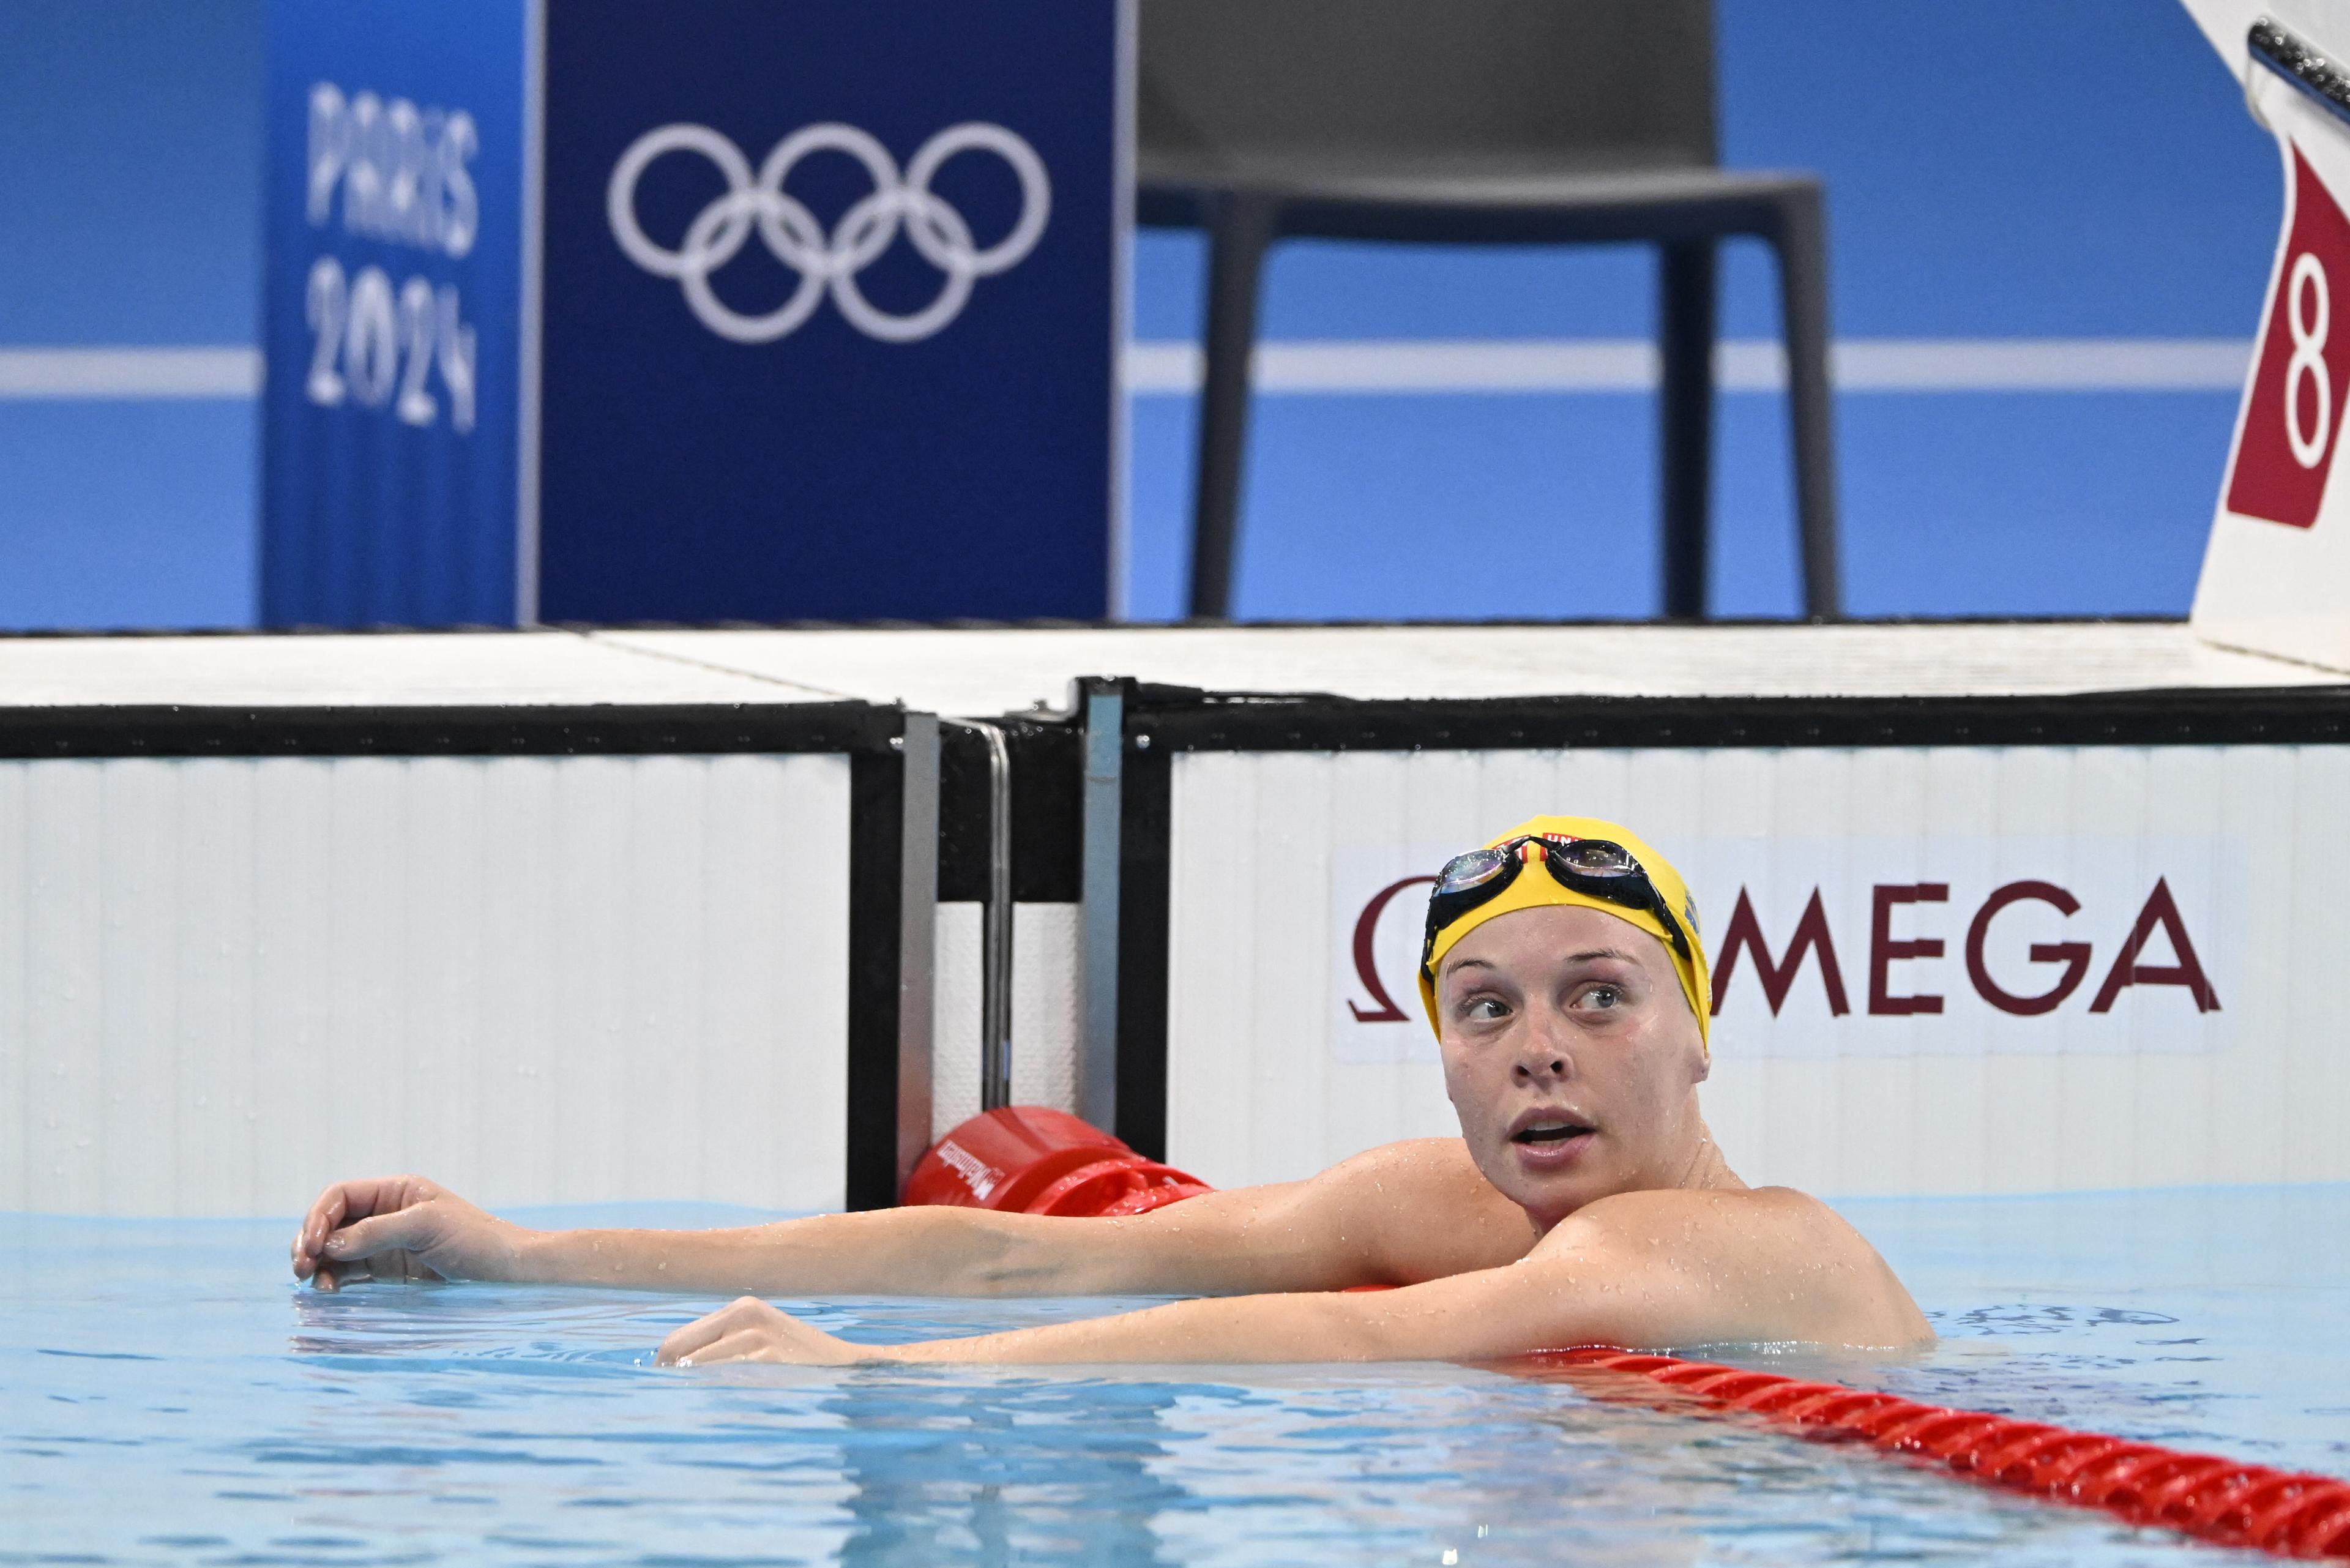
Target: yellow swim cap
x=1530, y=892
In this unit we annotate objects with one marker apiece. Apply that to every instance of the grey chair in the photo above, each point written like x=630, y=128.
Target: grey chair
x=1481, y=122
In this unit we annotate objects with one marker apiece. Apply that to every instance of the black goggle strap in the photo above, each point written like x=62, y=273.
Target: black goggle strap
x=1631, y=888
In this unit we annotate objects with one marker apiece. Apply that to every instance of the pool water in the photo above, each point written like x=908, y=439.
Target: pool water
x=166, y=1395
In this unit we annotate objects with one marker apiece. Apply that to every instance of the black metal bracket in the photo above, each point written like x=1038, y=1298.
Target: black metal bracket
x=2321, y=78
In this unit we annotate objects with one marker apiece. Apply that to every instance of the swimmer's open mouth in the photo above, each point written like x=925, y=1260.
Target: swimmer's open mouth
x=1548, y=1132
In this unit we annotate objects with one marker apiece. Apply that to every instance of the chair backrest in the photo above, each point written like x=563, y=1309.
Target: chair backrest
x=1363, y=85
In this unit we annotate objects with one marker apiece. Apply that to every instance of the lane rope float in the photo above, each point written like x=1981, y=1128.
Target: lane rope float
x=1034, y=1159
x=2221, y=1500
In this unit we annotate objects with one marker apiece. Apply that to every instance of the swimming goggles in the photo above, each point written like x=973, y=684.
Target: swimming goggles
x=1595, y=868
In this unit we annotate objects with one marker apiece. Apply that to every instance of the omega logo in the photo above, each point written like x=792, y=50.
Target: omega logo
x=2063, y=967
x=1812, y=940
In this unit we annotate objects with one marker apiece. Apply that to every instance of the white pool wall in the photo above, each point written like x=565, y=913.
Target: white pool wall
x=559, y=980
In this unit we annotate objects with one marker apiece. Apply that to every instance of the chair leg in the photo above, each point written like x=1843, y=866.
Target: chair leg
x=1240, y=229
x=1685, y=338
x=1801, y=245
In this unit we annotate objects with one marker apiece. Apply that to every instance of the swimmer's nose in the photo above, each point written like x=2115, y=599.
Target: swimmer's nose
x=1541, y=1058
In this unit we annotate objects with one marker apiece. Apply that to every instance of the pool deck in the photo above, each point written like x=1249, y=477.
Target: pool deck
x=987, y=670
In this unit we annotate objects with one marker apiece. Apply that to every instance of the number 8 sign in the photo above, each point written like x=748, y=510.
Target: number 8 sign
x=2285, y=447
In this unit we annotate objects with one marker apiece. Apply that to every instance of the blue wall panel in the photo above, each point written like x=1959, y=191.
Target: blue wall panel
x=127, y=514
x=131, y=185
x=1544, y=505
x=1982, y=184
x=129, y=171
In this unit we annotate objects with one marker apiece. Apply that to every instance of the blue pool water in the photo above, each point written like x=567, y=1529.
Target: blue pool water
x=166, y=1396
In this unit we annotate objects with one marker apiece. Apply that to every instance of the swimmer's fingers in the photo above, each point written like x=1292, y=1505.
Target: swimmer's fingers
x=743, y=1315
x=332, y=1277
x=743, y=1344
x=351, y=1200
x=748, y=1329
x=326, y=1211
x=709, y=1328
x=386, y=1247
x=390, y=1268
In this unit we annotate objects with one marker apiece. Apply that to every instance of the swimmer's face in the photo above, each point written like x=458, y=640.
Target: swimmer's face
x=1571, y=1057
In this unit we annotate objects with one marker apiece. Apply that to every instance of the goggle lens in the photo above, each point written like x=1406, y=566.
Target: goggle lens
x=1592, y=856
x=1473, y=869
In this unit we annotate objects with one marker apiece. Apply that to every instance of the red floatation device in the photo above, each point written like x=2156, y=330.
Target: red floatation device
x=1034, y=1159
x=2217, y=1499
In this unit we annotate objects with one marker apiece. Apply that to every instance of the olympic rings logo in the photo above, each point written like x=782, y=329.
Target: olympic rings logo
x=758, y=203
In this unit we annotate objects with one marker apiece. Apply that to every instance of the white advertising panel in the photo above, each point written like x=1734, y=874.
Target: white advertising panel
x=1936, y=969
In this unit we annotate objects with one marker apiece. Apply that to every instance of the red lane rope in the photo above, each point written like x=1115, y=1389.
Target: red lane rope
x=2217, y=1499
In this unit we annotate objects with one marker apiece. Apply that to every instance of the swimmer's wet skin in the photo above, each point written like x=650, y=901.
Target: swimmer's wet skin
x=1584, y=1201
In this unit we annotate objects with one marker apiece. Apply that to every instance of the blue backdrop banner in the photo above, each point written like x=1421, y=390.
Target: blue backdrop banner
x=710, y=309
x=831, y=309
x=391, y=316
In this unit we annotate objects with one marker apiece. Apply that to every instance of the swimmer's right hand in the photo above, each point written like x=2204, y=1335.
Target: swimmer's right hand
x=402, y=1228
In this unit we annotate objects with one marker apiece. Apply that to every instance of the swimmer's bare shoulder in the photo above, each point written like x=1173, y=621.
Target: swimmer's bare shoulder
x=1747, y=1264
x=1400, y=1214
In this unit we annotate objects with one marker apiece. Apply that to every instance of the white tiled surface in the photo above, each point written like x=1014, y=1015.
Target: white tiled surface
x=223, y=983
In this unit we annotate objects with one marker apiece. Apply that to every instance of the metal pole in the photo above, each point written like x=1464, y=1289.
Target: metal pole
x=918, y=909
x=1686, y=308
x=1103, y=706
x=995, y=930
x=1239, y=228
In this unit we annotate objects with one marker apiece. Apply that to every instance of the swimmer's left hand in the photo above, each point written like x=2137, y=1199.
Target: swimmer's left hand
x=748, y=1329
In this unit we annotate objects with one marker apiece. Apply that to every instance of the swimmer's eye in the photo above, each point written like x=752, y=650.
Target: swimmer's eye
x=1602, y=996
x=1484, y=1009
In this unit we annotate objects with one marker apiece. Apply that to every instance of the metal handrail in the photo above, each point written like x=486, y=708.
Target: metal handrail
x=995, y=929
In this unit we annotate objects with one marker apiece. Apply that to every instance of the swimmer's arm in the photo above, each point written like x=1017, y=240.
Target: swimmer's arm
x=1404, y=1212
x=1290, y=1236
x=920, y=1251
x=1590, y=1285
x=407, y=1228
